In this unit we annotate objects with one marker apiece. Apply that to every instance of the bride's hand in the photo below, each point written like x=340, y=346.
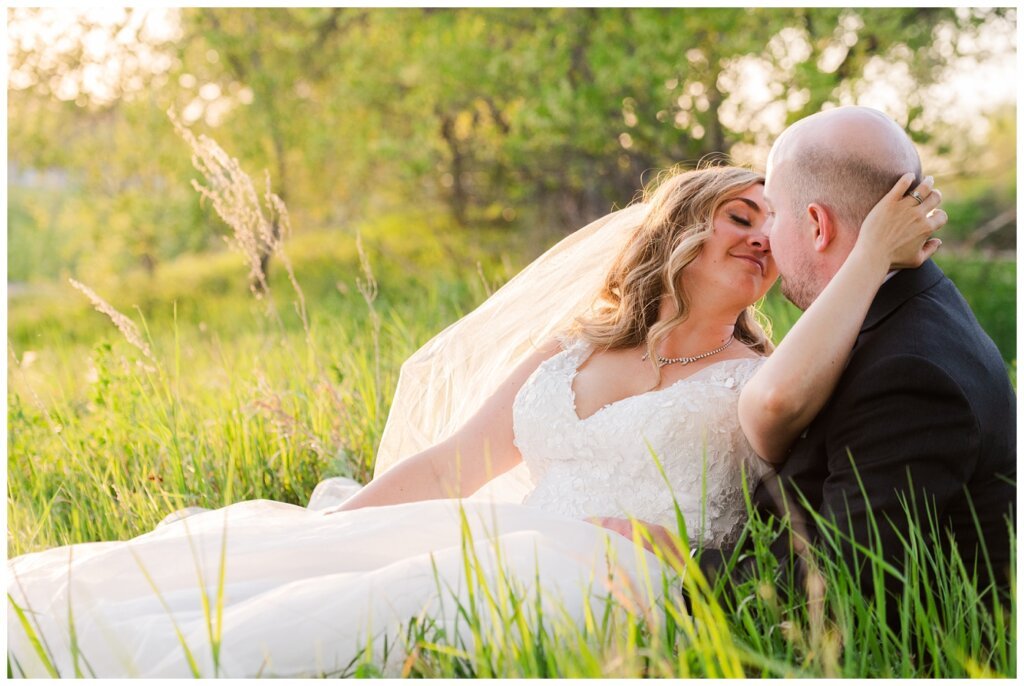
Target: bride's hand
x=624, y=527
x=899, y=228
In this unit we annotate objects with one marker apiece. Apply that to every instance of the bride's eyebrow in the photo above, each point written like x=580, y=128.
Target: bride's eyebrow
x=753, y=205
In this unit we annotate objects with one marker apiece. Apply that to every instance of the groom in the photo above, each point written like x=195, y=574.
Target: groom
x=924, y=407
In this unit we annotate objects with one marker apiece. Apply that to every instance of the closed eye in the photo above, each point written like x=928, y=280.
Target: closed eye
x=740, y=220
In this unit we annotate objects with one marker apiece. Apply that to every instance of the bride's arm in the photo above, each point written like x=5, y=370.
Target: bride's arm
x=792, y=386
x=458, y=466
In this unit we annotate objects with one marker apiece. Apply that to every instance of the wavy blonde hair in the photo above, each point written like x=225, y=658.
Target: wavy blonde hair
x=671, y=235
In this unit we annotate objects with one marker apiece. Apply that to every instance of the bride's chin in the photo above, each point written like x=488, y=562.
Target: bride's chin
x=765, y=284
x=753, y=298
x=754, y=289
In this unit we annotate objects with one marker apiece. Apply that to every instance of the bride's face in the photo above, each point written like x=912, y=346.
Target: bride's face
x=736, y=261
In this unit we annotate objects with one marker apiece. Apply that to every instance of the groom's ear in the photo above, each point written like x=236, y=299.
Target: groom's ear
x=823, y=228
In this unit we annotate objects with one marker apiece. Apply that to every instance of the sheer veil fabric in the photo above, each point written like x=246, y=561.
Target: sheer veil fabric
x=444, y=382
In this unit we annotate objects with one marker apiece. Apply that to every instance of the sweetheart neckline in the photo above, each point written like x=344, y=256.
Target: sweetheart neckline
x=677, y=382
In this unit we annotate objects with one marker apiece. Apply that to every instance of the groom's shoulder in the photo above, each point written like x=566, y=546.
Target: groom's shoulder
x=929, y=332
x=921, y=312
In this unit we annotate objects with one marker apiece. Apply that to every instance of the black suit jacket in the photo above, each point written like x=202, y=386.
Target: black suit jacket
x=925, y=399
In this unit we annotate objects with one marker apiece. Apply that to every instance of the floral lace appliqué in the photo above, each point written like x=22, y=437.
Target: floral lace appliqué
x=607, y=464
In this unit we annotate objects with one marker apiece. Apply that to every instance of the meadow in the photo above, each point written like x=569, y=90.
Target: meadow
x=229, y=397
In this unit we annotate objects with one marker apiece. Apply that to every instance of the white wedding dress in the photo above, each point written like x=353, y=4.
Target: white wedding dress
x=304, y=591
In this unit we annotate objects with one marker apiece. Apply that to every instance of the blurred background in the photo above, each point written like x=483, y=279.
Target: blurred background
x=478, y=135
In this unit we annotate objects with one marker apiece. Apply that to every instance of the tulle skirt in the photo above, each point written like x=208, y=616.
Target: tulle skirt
x=263, y=588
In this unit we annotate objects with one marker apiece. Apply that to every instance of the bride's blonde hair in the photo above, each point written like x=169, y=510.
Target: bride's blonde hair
x=682, y=205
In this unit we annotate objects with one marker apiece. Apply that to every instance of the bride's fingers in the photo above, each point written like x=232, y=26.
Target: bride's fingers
x=923, y=189
x=924, y=195
x=929, y=248
x=902, y=187
x=932, y=201
x=915, y=260
x=937, y=219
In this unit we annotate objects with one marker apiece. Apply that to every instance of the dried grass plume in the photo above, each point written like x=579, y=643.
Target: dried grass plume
x=124, y=325
x=258, y=229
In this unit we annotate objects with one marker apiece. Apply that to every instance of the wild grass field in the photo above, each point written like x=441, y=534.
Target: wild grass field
x=234, y=399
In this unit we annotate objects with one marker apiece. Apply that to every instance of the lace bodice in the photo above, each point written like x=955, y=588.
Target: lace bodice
x=603, y=466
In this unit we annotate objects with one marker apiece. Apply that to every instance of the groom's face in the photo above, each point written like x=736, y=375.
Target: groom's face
x=790, y=233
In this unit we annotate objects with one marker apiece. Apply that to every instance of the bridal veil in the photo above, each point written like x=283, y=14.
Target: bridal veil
x=444, y=382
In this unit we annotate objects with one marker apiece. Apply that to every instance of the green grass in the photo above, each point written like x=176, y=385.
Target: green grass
x=103, y=443
x=946, y=627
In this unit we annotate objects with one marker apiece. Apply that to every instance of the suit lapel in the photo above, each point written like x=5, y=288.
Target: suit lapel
x=900, y=288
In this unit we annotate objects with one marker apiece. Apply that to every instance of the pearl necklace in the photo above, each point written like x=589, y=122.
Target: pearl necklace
x=662, y=361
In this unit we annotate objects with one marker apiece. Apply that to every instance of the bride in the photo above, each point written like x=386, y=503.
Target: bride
x=578, y=406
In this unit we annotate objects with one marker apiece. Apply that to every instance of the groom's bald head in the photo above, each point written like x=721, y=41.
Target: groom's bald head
x=845, y=159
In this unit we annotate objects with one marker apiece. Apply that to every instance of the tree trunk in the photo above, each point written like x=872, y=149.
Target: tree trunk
x=459, y=198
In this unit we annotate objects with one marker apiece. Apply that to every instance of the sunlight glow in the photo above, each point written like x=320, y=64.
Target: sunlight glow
x=110, y=66
x=757, y=98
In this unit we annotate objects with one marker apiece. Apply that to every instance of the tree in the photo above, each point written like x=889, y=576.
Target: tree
x=504, y=117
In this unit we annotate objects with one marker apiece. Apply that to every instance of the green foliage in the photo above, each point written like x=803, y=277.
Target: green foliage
x=990, y=288
x=229, y=411
x=111, y=197
x=508, y=118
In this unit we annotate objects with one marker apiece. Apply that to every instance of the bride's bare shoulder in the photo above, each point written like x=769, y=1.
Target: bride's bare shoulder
x=551, y=347
x=540, y=353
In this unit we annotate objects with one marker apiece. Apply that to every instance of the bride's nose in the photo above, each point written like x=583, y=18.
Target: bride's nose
x=760, y=241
